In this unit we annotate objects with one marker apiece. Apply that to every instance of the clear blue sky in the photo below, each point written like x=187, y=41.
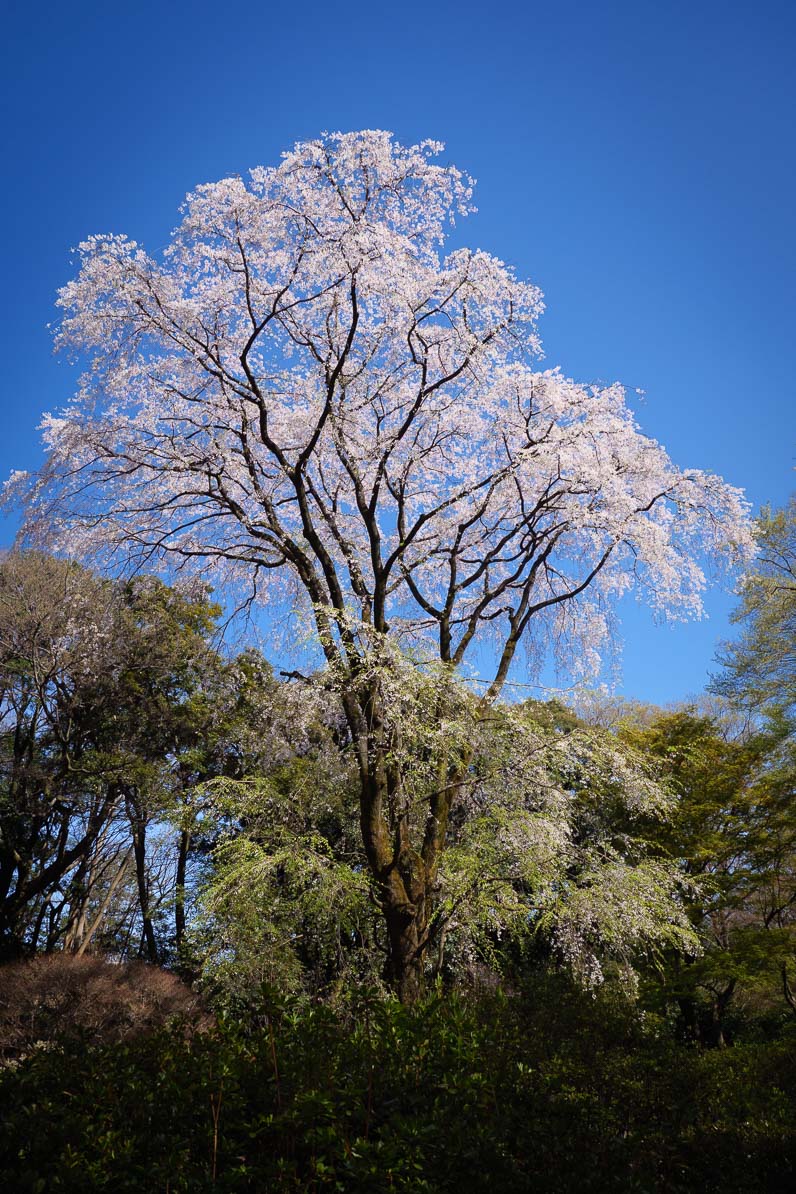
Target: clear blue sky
x=636, y=160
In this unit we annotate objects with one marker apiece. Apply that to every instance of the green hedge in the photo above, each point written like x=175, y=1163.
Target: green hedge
x=549, y=1092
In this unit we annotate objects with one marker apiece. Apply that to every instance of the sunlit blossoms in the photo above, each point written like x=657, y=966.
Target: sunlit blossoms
x=304, y=382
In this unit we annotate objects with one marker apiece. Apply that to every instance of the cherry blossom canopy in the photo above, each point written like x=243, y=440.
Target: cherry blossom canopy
x=305, y=389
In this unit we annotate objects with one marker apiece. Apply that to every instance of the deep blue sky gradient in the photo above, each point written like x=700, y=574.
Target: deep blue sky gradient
x=635, y=159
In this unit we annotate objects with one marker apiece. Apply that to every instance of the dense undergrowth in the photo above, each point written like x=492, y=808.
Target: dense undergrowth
x=547, y=1091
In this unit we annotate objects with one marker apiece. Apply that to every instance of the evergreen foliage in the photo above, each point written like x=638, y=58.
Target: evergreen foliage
x=545, y=1091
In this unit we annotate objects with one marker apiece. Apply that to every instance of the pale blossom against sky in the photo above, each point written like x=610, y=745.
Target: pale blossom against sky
x=634, y=160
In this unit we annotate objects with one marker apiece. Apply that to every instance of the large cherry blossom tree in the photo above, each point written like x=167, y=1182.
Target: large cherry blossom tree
x=306, y=391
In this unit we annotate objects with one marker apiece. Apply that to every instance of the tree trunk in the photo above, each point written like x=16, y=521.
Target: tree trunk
x=138, y=824
x=714, y=1035
x=787, y=989
x=179, y=895
x=403, y=849
x=103, y=908
x=79, y=890
x=406, y=962
x=688, y=1014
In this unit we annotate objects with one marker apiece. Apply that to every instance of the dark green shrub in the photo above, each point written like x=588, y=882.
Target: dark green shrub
x=550, y=1092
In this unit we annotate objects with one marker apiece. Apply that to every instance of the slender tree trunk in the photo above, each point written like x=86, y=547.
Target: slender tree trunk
x=787, y=990
x=179, y=893
x=138, y=824
x=714, y=1035
x=689, y=1017
x=33, y=943
x=79, y=890
x=103, y=908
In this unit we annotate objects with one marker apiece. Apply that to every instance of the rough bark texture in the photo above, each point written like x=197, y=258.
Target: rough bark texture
x=404, y=864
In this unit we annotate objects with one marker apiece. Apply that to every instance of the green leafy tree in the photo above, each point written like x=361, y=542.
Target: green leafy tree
x=759, y=667
x=546, y=852
x=732, y=830
x=110, y=712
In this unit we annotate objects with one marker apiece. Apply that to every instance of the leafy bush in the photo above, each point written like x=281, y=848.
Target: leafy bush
x=549, y=1092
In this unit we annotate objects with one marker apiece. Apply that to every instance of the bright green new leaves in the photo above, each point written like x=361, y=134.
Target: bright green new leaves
x=546, y=847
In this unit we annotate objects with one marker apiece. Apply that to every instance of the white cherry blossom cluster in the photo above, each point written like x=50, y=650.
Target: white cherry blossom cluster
x=305, y=385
